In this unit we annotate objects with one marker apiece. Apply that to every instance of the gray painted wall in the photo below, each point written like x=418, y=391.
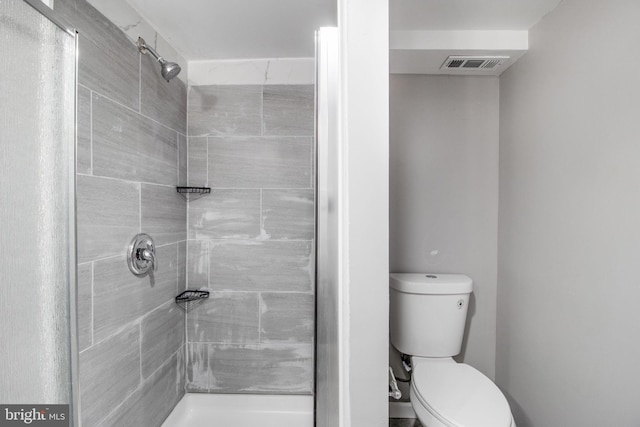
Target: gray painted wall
x=569, y=245
x=444, y=191
x=251, y=239
x=131, y=155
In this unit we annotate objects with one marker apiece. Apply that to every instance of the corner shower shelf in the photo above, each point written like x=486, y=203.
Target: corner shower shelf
x=190, y=298
x=192, y=193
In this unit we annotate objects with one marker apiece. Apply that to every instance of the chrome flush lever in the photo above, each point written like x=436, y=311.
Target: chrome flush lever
x=141, y=255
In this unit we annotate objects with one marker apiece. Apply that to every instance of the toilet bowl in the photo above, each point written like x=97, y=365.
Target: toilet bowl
x=427, y=318
x=449, y=394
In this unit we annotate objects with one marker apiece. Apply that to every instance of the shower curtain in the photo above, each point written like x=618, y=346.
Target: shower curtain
x=37, y=219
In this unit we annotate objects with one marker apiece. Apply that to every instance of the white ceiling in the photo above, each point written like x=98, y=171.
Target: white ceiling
x=447, y=15
x=242, y=29
x=424, y=33
x=238, y=29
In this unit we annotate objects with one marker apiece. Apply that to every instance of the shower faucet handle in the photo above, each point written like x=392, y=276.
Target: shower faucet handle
x=141, y=255
x=148, y=255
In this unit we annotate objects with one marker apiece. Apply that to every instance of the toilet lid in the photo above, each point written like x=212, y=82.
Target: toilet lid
x=460, y=396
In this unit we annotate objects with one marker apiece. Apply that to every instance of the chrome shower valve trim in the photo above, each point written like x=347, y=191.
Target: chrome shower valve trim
x=141, y=255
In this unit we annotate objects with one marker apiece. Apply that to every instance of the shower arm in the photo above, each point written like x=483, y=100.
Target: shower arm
x=144, y=48
x=168, y=69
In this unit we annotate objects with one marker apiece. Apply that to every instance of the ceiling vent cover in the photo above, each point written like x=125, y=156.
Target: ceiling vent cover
x=473, y=63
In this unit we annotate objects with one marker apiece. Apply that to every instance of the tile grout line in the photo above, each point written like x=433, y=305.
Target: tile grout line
x=208, y=253
x=254, y=240
x=133, y=110
x=139, y=83
x=187, y=349
x=178, y=159
x=209, y=369
x=262, y=107
x=257, y=344
x=225, y=291
x=206, y=154
x=110, y=257
x=92, y=303
x=261, y=213
x=129, y=181
x=249, y=188
x=140, y=206
x=186, y=130
x=187, y=353
x=252, y=136
x=126, y=325
x=159, y=307
x=259, y=317
x=91, y=129
x=140, y=386
x=178, y=269
x=220, y=240
x=140, y=349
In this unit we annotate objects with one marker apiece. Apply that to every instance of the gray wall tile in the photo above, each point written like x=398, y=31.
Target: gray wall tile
x=227, y=317
x=198, y=263
x=286, y=317
x=108, y=61
x=261, y=265
x=66, y=8
x=182, y=267
x=288, y=214
x=83, y=153
x=225, y=214
x=167, y=274
x=153, y=401
x=162, y=334
x=225, y=110
x=113, y=73
x=198, y=371
x=164, y=214
x=251, y=173
x=120, y=297
x=108, y=216
x=134, y=148
x=183, y=161
x=163, y=101
x=265, y=368
x=129, y=146
x=109, y=372
x=289, y=110
x=198, y=162
x=85, y=312
x=283, y=162
x=180, y=378
x=91, y=24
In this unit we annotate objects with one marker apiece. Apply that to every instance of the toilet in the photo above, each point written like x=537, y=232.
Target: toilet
x=427, y=319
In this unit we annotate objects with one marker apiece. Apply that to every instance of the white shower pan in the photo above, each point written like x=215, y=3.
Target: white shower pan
x=241, y=410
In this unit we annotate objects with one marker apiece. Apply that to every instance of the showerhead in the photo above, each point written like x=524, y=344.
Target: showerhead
x=169, y=69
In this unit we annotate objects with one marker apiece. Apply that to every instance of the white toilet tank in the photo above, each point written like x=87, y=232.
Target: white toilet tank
x=428, y=313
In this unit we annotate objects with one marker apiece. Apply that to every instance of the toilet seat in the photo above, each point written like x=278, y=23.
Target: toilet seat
x=458, y=395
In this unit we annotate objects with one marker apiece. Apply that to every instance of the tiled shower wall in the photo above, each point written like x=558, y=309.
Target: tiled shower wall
x=251, y=240
x=131, y=155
